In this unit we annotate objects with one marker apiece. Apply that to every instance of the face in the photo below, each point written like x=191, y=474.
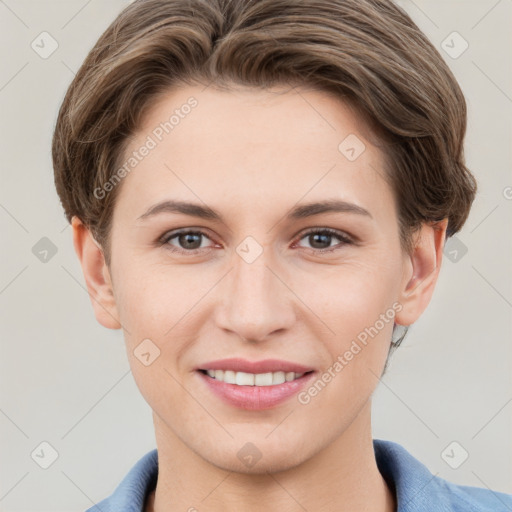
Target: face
x=254, y=272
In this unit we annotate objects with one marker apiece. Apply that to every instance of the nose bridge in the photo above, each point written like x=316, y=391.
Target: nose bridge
x=250, y=280
x=257, y=302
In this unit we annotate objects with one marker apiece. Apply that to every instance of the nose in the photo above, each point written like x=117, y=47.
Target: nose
x=256, y=301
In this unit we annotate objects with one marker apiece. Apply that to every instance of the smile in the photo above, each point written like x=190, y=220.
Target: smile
x=254, y=391
x=252, y=379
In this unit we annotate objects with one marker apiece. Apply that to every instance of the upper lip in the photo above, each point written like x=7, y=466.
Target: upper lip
x=264, y=366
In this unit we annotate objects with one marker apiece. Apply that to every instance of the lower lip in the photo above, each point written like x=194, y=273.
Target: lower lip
x=255, y=398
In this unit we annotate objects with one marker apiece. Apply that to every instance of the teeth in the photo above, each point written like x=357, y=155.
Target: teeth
x=251, y=379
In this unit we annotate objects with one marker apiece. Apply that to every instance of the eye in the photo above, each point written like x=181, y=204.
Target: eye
x=190, y=241
x=320, y=238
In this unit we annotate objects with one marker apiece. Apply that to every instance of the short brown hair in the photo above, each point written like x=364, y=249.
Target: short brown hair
x=369, y=53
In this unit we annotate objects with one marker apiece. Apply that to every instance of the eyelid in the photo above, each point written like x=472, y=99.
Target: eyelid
x=345, y=239
x=342, y=235
x=168, y=235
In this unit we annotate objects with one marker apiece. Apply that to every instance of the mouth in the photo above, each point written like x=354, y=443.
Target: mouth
x=254, y=386
x=253, y=379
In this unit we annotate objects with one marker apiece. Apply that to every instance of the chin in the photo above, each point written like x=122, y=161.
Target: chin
x=269, y=464
x=259, y=456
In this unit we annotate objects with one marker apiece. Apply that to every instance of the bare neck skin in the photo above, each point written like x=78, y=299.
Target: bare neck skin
x=343, y=477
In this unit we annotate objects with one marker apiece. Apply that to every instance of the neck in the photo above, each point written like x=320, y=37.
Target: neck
x=342, y=477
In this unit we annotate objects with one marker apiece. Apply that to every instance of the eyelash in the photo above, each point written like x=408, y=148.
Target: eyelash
x=322, y=231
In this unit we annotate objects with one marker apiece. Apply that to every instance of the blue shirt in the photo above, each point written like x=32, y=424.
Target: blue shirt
x=415, y=487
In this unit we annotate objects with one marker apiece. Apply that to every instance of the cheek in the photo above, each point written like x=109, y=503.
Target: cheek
x=361, y=314
x=148, y=295
x=162, y=310
x=354, y=293
x=154, y=310
x=356, y=304
x=156, y=300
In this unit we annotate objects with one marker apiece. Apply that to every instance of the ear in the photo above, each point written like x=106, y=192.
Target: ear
x=96, y=274
x=422, y=270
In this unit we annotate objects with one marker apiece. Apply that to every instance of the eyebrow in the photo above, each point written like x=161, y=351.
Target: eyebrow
x=298, y=212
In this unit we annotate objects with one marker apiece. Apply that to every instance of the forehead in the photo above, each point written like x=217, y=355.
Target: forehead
x=253, y=147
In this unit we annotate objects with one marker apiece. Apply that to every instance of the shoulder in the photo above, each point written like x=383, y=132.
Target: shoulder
x=467, y=498
x=417, y=489
x=131, y=493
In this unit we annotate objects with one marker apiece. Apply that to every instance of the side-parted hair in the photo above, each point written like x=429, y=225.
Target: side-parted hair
x=368, y=53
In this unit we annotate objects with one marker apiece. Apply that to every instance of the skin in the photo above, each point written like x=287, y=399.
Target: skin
x=252, y=155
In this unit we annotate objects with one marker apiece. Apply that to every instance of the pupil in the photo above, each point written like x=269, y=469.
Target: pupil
x=188, y=237
x=320, y=235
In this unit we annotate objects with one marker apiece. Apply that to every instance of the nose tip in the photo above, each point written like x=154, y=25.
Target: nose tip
x=255, y=303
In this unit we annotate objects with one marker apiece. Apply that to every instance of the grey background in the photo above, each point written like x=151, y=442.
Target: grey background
x=65, y=379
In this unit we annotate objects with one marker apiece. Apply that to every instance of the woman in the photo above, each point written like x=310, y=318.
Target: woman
x=260, y=192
